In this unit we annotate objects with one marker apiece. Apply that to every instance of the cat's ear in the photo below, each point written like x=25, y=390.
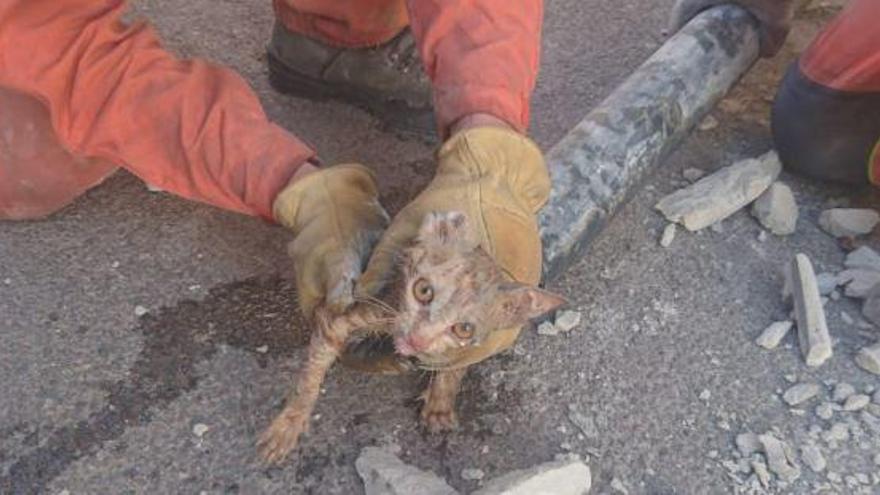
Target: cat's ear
x=520, y=303
x=444, y=227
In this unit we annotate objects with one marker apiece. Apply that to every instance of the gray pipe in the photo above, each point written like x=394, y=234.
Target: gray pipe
x=600, y=163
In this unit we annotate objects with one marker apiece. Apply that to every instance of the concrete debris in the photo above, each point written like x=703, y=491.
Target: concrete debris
x=153, y=188
x=815, y=342
x=842, y=391
x=721, y=194
x=472, y=474
x=779, y=458
x=384, y=474
x=856, y=402
x=827, y=282
x=199, y=429
x=668, y=235
x=868, y=358
x=705, y=395
x=760, y=469
x=863, y=257
x=839, y=432
x=263, y=349
x=692, y=174
x=871, y=421
x=776, y=209
x=871, y=306
x=708, y=123
x=547, y=328
x=800, y=393
x=583, y=422
x=858, y=281
x=566, y=320
x=848, y=222
x=813, y=458
x=825, y=410
x=747, y=444
x=619, y=487
x=557, y=477
x=773, y=334
x=140, y=311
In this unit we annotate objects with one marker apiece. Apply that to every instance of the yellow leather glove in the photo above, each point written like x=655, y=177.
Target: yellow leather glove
x=336, y=219
x=498, y=178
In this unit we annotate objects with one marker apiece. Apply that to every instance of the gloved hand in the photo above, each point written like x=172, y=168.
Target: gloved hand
x=773, y=15
x=336, y=219
x=498, y=178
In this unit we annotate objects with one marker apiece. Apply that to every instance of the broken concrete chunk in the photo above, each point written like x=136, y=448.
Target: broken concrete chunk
x=848, y=222
x=747, y=444
x=856, y=402
x=583, y=422
x=863, y=257
x=777, y=458
x=567, y=320
x=773, y=334
x=619, y=487
x=760, y=469
x=815, y=342
x=838, y=432
x=547, y=328
x=841, y=391
x=558, y=477
x=813, y=458
x=858, y=281
x=692, y=174
x=827, y=282
x=721, y=194
x=776, y=209
x=825, y=410
x=800, y=393
x=868, y=358
x=384, y=474
x=668, y=235
x=871, y=306
x=472, y=474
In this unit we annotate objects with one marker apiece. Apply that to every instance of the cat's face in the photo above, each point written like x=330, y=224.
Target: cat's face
x=453, y=294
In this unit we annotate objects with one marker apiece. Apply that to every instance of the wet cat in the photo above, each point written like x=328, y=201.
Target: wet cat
x=448, y=294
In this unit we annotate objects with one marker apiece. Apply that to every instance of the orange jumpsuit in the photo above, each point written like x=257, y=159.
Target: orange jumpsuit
x=81, y=93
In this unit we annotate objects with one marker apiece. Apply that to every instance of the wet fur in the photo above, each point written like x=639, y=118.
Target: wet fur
x=467, y=286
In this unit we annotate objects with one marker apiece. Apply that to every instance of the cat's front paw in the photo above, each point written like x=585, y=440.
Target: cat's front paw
x=439, y=416
x=280, y=437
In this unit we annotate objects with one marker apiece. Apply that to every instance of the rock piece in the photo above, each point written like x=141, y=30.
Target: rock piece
x=747, y=444
x=547, y=328
x=815, y=342
x=472, y=474
x=708, y=123
x=140, y=311
x=839, y=432
x=868, y=358
x=778, y=458
x=567, y=320
x=848, y=222
x=668, y=235
x=813, y=458
x=619, y=487
x=858, y=281
x=760, y=469
x=871, y=306
x=827, y=282
x=199, y=429
x=558, y=477
x=799, y=393
x=863, y=257
x=721, y=194
x=776, y=209
x=384, y=474
x=773, y=335
x=583, y=422
x=856, y=402
x=825, y=410
x=692, y=174
x=841, y=391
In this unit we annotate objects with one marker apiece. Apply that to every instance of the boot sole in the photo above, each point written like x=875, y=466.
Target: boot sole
x=395, y=116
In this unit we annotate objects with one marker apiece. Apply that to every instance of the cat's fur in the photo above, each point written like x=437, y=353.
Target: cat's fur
x=447, y=295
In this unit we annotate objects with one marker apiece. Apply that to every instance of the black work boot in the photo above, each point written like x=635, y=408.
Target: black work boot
x=386, y=80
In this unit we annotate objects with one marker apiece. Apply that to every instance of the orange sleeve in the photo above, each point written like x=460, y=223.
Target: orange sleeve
x=189, y=127
x=482, y=56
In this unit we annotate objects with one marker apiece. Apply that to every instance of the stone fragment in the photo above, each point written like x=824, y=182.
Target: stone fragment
x=760, y=469
x=813, y=458
x=776, y=209
x=566, y=320
x=263, y=349
x=778, y=459
x=721, y=194
x=668, y=235
x=839, y=432
x=868, y=358
x=557, y=477
x=841, y=391
x=856, y=402
x=799, y=393
x=692, y=174
x=472, y=474
x=876, y=397
x=747, y=444
x=877, y=458
x=858, y=282
x=826, y=282
x=199, y=429
x=864, y=258
x=825, y=410
x=871, y=306
x=705, y=395
x=848, y=222
x=815, y=342
x=619, y=487
x=547, y=328
x=707, y=124
x=773, y=334
x=384, y=474
x=583, y=422
x=140, y=311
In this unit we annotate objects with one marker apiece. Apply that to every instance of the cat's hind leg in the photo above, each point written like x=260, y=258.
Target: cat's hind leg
x=438, y=411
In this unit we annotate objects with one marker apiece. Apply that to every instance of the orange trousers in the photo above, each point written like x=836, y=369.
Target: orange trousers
x=82, y=93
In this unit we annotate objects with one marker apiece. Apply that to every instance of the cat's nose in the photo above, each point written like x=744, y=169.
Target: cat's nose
x=404, y=347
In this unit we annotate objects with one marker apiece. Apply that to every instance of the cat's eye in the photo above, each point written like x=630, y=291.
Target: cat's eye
x=422, y=291
x=463, y=330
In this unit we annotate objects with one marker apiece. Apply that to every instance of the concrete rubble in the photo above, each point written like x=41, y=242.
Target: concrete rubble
x=800, y=393
x=779, y=458
x=717, y=196
x=776, y=209
x=848, y=222
x=747, y=444
x=692, y=174
x=864, y=258
x=858, y=281
x=668, y=235
x=827, y=282
x=813, y=458
x=868, y=358
x=773, y=334
x=871, y=306
x=567, y=319
x=571, y=477
x=384, y=474
x=815, y=341
x=825, y=410
x=856, y=402
x=472, y=474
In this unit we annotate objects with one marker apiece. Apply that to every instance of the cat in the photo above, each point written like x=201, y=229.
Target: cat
x=447, y=294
